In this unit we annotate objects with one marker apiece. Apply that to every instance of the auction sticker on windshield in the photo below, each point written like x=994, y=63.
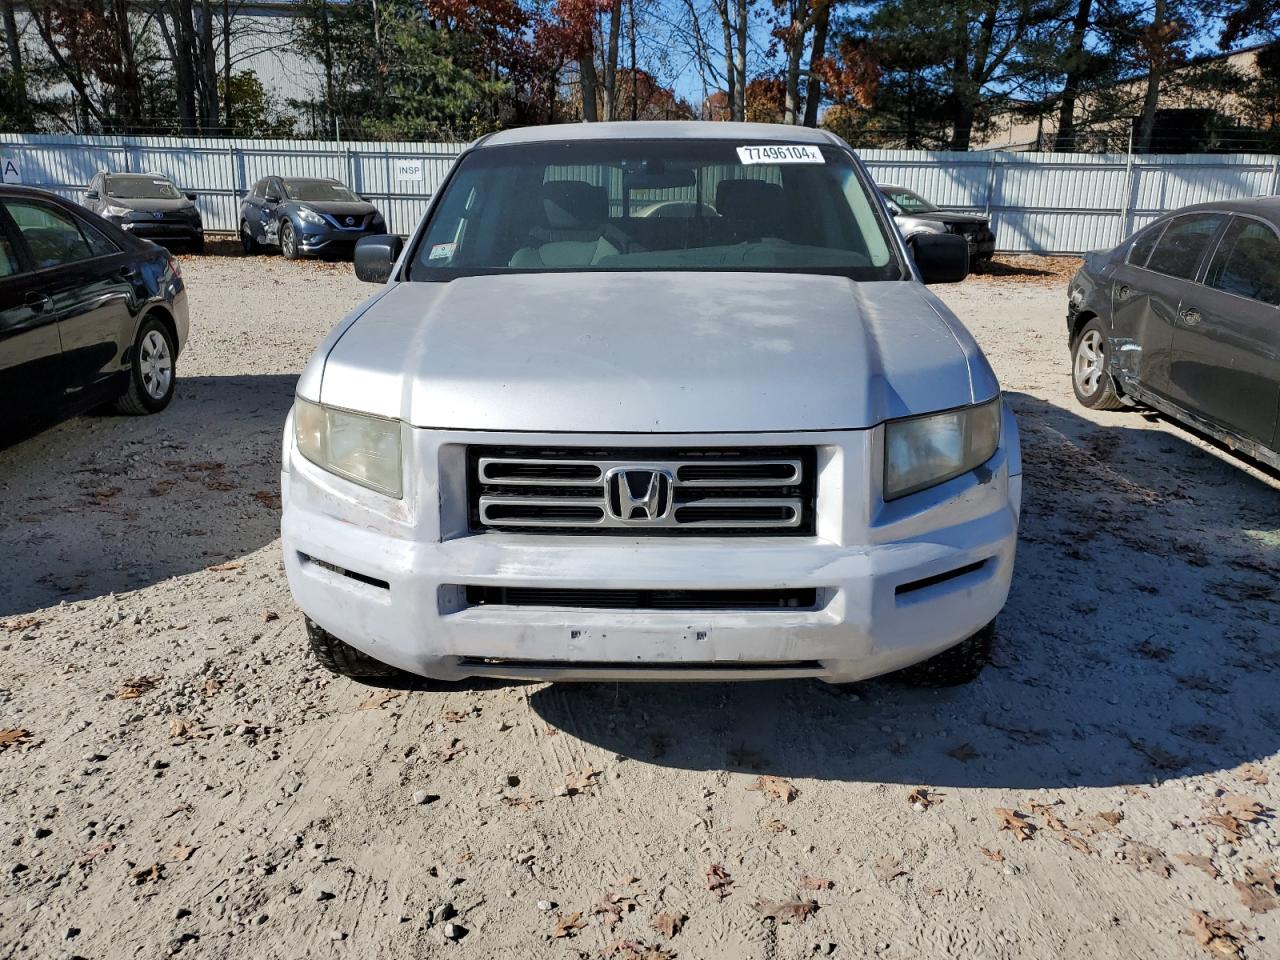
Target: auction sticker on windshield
x=780, y=153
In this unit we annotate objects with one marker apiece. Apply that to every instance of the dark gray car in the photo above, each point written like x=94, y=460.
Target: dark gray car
x=1184, y=316
x=147, y=205
x=915, y=216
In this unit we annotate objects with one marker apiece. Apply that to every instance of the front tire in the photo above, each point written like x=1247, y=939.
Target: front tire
x=247, y=242
x=344, y=659
x=153, y=373
x=288, y=241
x=955, y=666
x=1090, y=379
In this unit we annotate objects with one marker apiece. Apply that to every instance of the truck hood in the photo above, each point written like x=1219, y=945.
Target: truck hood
x=652, y=353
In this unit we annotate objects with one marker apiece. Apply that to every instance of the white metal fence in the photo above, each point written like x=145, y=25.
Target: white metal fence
x=1038, y=202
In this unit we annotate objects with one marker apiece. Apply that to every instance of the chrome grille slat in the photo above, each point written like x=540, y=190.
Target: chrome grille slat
x=706, y=491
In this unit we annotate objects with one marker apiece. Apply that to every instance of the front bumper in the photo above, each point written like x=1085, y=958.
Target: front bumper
x=315, y=238
x=163, y=229
x=896, y=582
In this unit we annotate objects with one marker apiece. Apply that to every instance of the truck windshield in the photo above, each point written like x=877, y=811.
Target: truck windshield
x=630, y=205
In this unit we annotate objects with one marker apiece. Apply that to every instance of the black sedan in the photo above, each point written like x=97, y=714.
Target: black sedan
x=147, y=205
x=303, y=216
x=915, y=215
x=1184, y=317
x=89, y=314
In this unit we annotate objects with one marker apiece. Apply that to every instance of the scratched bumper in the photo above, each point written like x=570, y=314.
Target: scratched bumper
x=387, y=576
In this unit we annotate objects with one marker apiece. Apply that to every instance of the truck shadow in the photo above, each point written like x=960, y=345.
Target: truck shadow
x=1141, y=641
x=104, y=503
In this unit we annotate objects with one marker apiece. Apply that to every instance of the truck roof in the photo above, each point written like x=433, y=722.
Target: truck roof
x=660, y=130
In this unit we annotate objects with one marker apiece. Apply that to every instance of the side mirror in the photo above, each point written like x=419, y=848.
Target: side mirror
x=940, y=257
x=375, y=256
x=190, y=196
x=893, y=207
x=272, y=198
x=91, y=195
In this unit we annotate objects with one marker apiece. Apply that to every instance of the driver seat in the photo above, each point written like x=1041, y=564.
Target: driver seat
x=575, y=215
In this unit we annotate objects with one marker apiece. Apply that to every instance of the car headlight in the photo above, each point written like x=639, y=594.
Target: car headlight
x=362, y=448
x=928, y=226
x=307, y=215
x=922, y=452
x=111, y=210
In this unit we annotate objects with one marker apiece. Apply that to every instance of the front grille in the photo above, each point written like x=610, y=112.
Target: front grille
x=643, y=491
x=782, y=599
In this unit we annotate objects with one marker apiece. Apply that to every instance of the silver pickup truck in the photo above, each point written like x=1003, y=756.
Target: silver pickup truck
x=652, y=401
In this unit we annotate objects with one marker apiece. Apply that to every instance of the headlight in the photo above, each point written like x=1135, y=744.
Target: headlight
x=928, y=226
x=922, y=452
x=111, y=210
x=361, y=448
x=307, y=215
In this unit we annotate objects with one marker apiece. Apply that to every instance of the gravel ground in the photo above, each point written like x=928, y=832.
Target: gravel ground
x=178, y=777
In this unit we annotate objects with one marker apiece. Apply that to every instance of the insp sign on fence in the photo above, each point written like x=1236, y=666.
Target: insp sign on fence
x=1038, y=202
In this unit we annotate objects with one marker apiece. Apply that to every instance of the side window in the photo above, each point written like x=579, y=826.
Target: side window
x=52, y=236
x=1247, y=262
x=1142, y=247
x=1178, y=252
x=259, y=189
x=99, y=242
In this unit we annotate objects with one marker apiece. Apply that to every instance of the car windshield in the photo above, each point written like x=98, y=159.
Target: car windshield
x=142, y=188
x=908, y=200
x=632, y=205
x=317, y=190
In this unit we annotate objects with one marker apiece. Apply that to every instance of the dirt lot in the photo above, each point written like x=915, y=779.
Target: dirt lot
x=191, y=783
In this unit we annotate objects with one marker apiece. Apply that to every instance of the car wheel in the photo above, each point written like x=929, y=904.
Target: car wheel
x=288, y=241
x=344, y=659
x=197, y=245
x=153, y=373
x=250, y=245
x=955, y=666
x=1089, y=377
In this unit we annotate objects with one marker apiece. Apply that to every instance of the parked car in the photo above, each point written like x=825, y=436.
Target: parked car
x=305, y=215
x=1184, y=316
x=147, y=205
x=916, y=216
x=89, y=313
x=565, y=442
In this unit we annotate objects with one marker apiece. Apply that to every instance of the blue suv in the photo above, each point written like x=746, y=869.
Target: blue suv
x=305, y=215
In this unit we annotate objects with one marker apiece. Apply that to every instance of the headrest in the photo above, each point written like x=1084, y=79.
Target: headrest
x=749, y=200
x=574, y=205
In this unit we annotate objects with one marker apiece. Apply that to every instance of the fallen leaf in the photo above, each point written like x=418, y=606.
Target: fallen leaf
x=464, y=857
x=1232, y=827
x=454, y=749
x=1076, y=843
x=103, y=497
x=268, y=498
x=150, y=874
x=718, y=880
x=923, y=797
x=1222, y=938
x=1254, y=774
x=775, y=787
x=775, y=826
x=964, y=752
x=1136, y=792
x=669, y=924
x=1111, y=817
x=808, y=882
x=134, y=688
x=179, y=853
x=568, y=926
x=1144, y=857
x=1245, y=808
x=887, y=868
x=1200, y=863
x=612, y=906
x=210, y=687
x=786, y=911
x=224, y=567
x=95, y=853
x=627, y=879
x=578, y=782
x=180, y=728
x=377, y=699
x=1257, y=899
x=14, y=624
x=993, y=855
x=11, y=738
x=1015, y=822
x=634, y=950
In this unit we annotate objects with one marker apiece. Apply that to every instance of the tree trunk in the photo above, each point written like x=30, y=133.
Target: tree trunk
x=611, y=62
x=791, y=110
x=1151, y=98
x=1065, y=142
x=813, y=92
x=635, y=86
x=208, y=67
x=587, y=73
x=22, y=105
x=740, y=63
x=228, y=108
x=730, y=71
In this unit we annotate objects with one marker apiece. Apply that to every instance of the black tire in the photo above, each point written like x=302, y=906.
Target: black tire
x=1090, y=378
x=149, y=391
x=289, y=241
x=955, y=666
x=197, y=245
x=344, y=659
x=250, y=245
